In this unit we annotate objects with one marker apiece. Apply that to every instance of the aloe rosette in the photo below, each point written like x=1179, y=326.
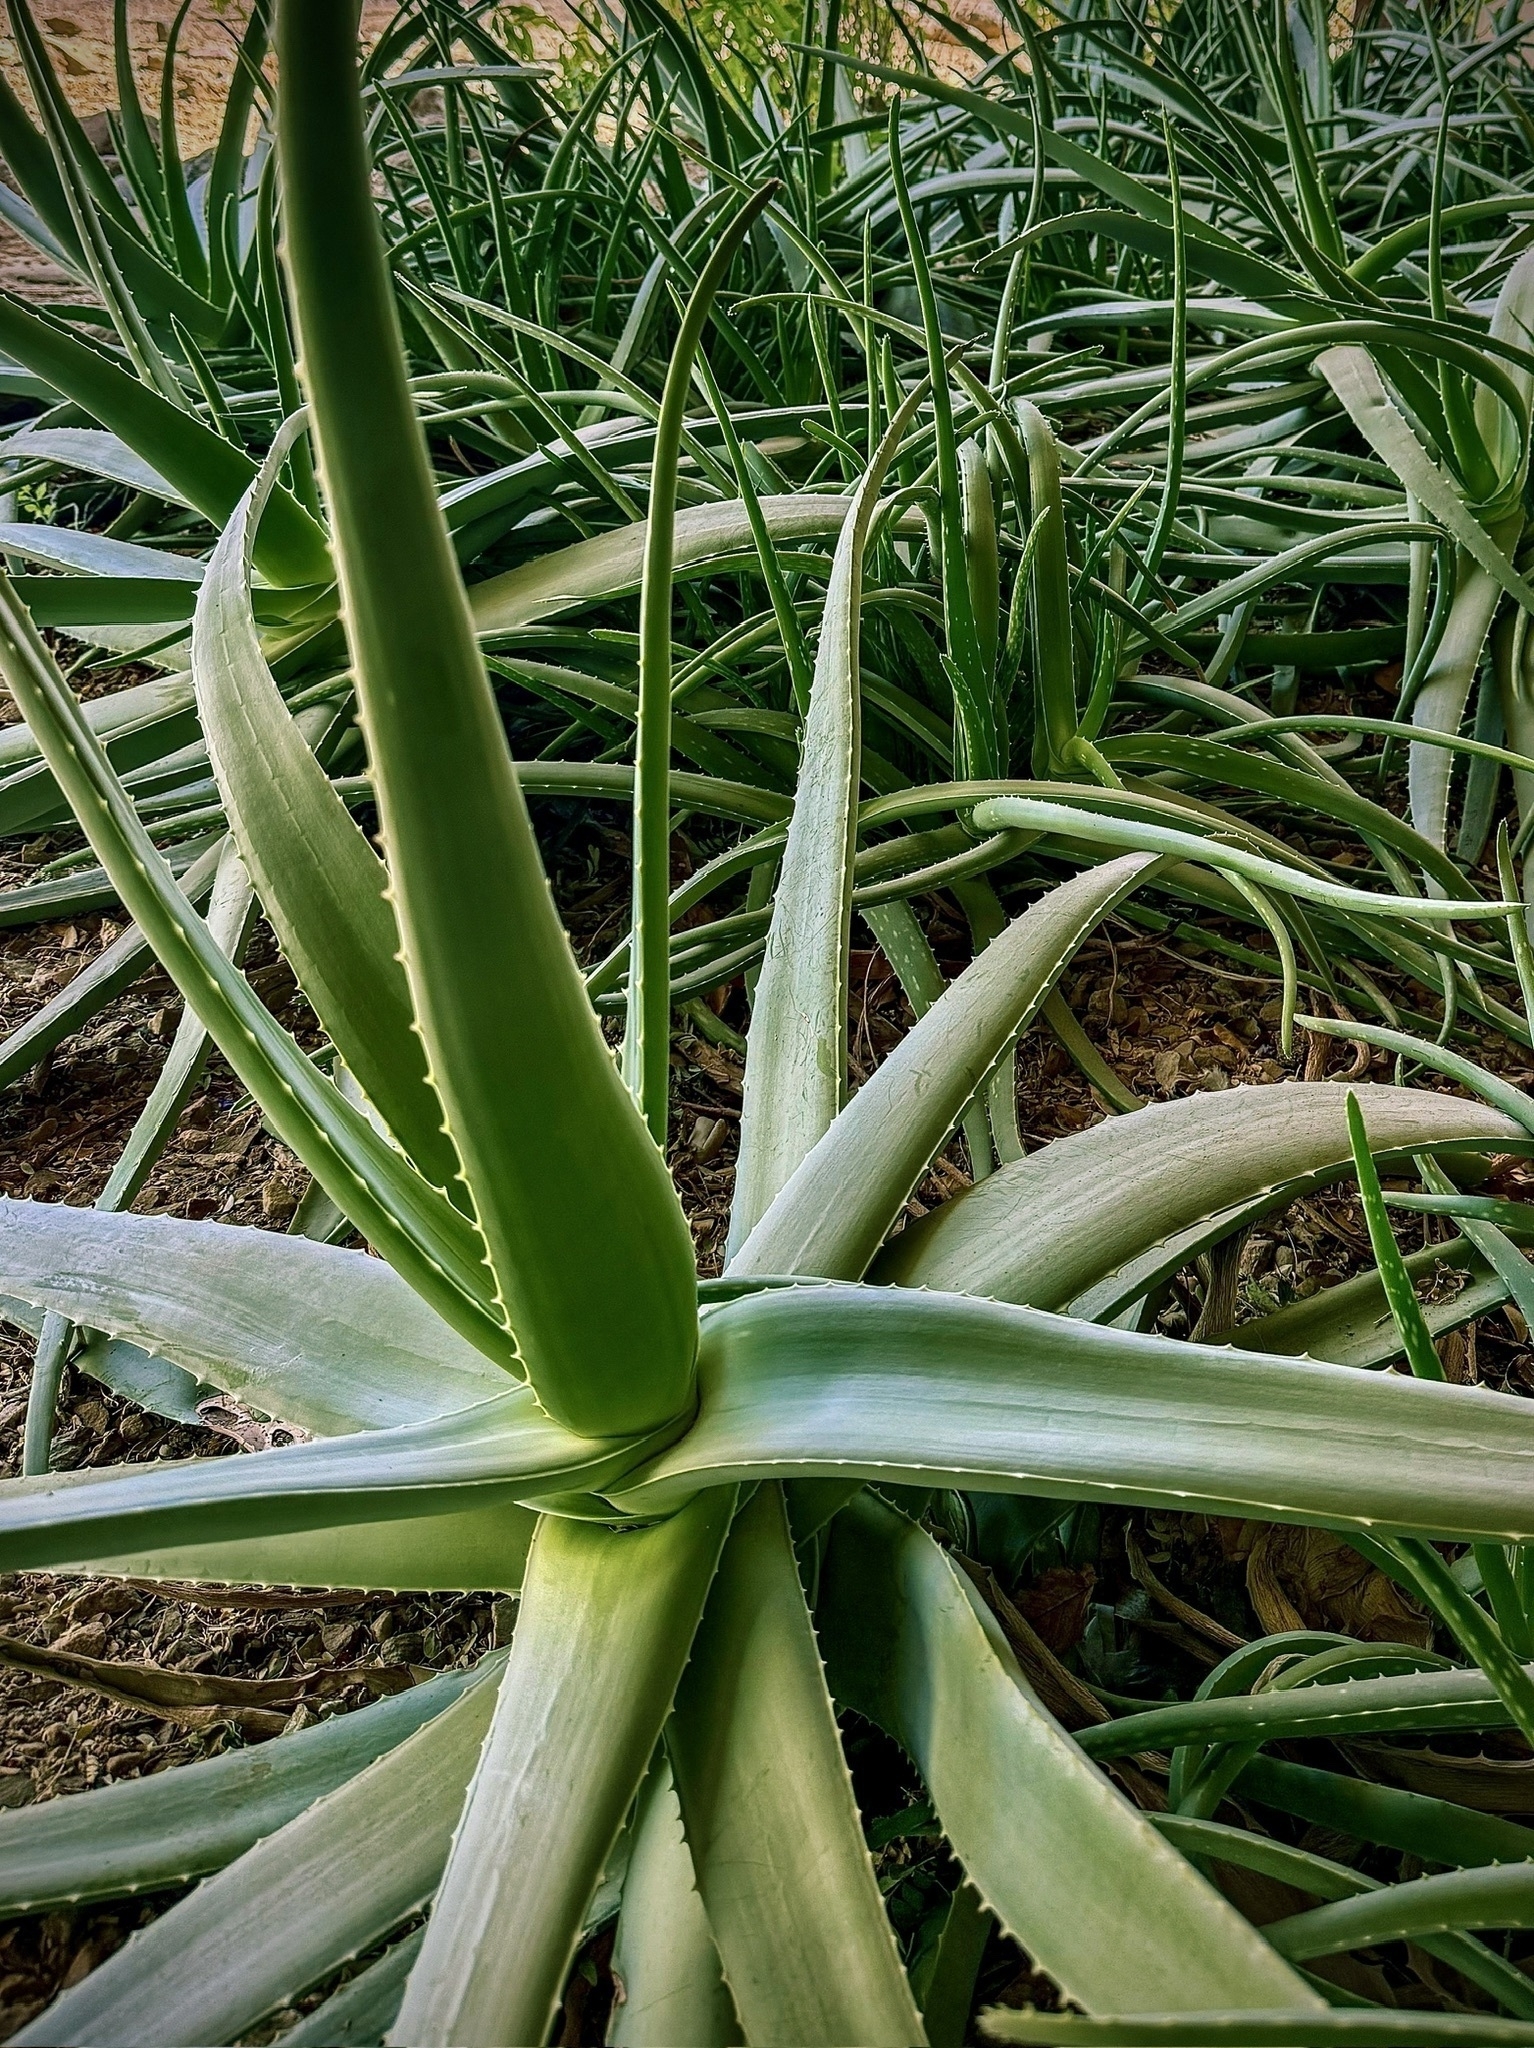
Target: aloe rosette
x=708, y=1495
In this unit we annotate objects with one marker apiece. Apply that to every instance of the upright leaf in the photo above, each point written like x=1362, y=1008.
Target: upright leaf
x=606, y=1622
x=768, y=1810
x=555, y=1154
x=796, y=1077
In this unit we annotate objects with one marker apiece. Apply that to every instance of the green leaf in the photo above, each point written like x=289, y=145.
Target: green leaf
x=611, y=565
x=671, y=1991
x=365, y=2007
x=796, y=1075
x=328, y=1884
x=331, y=1340
x=1003, y=813
x=1048, y=1227
x=555, y=1154
x=409, y=1222
x=832, y=1215
x=943, y=1390
x=501, y=1451
x=1363, y=1706
x=768, y=1810
x=151, y=1832
x=1393, y=2029
x=647, y=1037
x=465, y=1550
x=1073, y=1872
x=321, y=884
x=201, y=466
x=605, y=1626
x=1502, y=1896
x=1436, y=1830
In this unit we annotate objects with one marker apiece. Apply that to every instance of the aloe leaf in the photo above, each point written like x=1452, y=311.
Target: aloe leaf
x=1018, y=813
x=768, y=1811
x=1049, y=587
x=161, y=1830
x=1498, y=1897
x=199, y=464
x=231, y=913
x=364, y=2008
x=408, y=1221
x=1047, y=1227
x=1436, y=1830
x=226, y=173
x=1073, y=1872
x=500, y=1451
x=611, y=565
x=1416, y=1340
x=328, y=1884
x=553, y=1149
x=323, y=887
x=669, y=1991
x=832, y=1215
x=1394, y=2029
x=331, y=1340
x=943, y=1390
x=1364, y=1706
x=647, y=1039
x=1351, y=1323
x=796, y=1076
x=460, y=1550
x=605, y=1626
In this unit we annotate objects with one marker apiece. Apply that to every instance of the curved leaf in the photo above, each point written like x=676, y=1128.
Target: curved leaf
x=1045, y=1228
x=331, y=1340
x=328, y=1884
x=502, y=1451
x=943, y=1390
x=604, y=1629
x=832, y=1215
x=796, y=1075
x=321, y=884
x=1080, y=1879
x=768, y=1811
x=161, y=1830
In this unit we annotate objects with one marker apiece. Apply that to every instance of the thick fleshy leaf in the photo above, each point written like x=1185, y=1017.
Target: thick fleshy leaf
x=161, y=1830
x=669, y=1988
x=464, y=1551
x=831, y=1216
x=796, y=1074
x=1080, y=1878
x=554, y=1151
x=769, y=1815
x=408, y=1221
x=1045, y=1228
x=331, y=1340
x=609, y=565
x=501, y=1451
x=1347, y=2028
x=322, y=885
x=328, y=1884
x=203, y=468
x=605, y=1625
x=942, y=1390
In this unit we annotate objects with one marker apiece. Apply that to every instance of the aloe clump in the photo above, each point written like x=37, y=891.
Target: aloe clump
x=715, y=1499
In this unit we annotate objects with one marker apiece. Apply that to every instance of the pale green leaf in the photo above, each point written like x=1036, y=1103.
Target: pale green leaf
x=1075, y=1873
x=606, y=1622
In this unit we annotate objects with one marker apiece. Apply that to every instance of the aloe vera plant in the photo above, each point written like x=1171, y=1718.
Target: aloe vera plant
x=714, y=1498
